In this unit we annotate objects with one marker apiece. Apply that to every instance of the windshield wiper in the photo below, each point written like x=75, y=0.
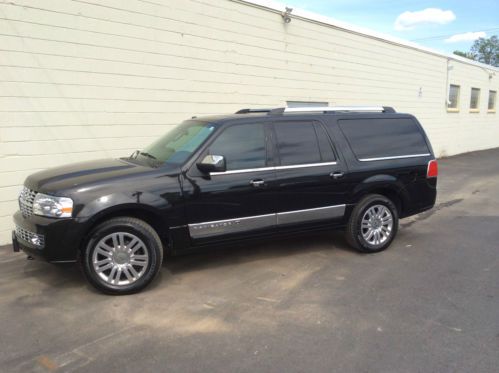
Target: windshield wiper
x=145, y=154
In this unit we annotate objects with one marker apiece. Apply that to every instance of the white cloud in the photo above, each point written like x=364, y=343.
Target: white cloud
x=409, y=20
x=466, y=36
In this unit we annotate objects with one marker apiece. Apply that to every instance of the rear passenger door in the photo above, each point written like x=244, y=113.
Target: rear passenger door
x=309, y=174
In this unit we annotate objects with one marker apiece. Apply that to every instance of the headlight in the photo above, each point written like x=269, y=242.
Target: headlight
x=54, y=207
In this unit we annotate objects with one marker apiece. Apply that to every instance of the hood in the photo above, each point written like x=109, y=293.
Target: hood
x=67, y=177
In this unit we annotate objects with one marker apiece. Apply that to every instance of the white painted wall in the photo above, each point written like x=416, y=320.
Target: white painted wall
x=87, y=79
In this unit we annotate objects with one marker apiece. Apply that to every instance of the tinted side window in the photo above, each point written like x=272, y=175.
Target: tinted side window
x=243, y=146
x=297, y=143
x=376, y=138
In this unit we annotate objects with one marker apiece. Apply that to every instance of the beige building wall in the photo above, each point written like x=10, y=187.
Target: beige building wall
x=100, y=78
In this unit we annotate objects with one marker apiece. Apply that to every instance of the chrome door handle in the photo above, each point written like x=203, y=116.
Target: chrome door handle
x=336, y=175
x=257, y=183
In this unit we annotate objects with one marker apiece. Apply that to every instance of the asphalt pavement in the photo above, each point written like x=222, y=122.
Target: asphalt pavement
x=430, y=303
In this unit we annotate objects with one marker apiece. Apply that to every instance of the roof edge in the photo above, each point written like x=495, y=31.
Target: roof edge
x=278, y=7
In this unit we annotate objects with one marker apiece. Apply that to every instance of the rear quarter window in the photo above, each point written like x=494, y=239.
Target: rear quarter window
x=384, y=137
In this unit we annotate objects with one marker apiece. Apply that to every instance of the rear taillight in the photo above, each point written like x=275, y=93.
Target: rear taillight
x=432, y=170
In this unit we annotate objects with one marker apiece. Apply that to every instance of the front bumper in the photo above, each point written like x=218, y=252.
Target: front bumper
x=53, y=240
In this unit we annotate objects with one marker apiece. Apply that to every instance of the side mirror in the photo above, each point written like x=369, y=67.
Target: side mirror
x=212, y=163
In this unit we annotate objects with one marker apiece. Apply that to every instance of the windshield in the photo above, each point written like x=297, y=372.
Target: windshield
x=177, y=145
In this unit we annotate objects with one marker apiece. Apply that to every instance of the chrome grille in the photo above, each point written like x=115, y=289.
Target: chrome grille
x=26, y=199
x=32, y=238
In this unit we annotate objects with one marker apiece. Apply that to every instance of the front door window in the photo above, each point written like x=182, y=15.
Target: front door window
x=243, y=146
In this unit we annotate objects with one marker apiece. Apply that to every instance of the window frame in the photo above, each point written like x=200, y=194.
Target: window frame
x=494, y=102
x=477, y=108
x=458, y=98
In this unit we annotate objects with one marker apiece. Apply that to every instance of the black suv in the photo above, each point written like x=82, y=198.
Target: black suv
x=217, y=180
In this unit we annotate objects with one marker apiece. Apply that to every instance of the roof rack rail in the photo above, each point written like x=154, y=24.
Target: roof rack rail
x=247, y=111
x=329, y=109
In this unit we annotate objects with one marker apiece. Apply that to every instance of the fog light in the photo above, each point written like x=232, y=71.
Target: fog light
x=35, y=240
x=32, y=238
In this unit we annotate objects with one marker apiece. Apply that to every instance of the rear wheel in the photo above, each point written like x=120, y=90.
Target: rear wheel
x=373, y=224
x=122, y=256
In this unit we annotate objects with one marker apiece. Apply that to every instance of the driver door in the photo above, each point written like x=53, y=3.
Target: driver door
x=236, y=202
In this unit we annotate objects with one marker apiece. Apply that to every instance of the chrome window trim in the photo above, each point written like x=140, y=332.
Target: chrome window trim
x=394, y=157
x=274, y=168
x=305, y=165
x=242, y=171
x=236, y=225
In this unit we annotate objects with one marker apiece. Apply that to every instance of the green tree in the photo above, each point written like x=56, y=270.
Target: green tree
x=469, y=55
x=487, y=50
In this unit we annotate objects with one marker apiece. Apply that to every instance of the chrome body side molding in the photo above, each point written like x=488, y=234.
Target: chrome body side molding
x=301, y=216
x=222, y=227
x=249, y=223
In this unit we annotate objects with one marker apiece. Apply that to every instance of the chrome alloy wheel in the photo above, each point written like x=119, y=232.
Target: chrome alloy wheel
x=120, y=258
x=377, y=224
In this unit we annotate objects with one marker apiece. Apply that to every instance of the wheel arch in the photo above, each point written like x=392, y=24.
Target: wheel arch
x=385, y=185
x=148, y=215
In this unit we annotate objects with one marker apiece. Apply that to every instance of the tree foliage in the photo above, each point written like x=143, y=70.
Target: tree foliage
x=469, y=55
x=484, y=50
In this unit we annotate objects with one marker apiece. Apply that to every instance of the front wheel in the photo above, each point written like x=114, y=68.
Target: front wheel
x=122, y=256
x=373, y=224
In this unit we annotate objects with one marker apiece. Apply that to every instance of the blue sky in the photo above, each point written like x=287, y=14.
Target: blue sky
x=437, y=24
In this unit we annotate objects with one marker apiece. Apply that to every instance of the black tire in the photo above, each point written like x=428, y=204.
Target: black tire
x=150, y=247
x=354, y=230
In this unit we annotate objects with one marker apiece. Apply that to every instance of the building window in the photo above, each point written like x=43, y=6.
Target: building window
x=306, y=103
x=453, y=102
x=475, y=99
x=492, y=101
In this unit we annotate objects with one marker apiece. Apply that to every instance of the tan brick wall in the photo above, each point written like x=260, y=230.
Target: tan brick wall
x=100, y=78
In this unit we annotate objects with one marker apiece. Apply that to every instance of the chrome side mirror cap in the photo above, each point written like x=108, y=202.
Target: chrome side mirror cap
x=212, y=163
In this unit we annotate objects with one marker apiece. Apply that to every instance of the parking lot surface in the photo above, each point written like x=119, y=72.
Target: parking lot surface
x=430, y=303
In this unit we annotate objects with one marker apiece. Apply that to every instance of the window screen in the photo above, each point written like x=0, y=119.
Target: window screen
x=492, y=100
x=378, y=138
x=475, y=98
x=297, y=143
x=453, y=102
x=243, y=146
